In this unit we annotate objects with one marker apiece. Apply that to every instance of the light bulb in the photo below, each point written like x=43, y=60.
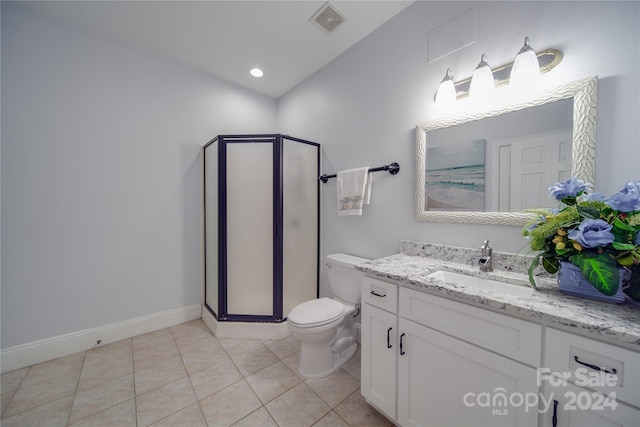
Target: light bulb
x=525, y=71
x=446, y=94
x=482, y=83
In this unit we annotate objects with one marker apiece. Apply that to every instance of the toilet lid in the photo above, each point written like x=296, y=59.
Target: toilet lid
x=316, y=312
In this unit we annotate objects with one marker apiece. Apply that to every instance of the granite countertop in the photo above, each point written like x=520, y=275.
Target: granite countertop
x=618, y=324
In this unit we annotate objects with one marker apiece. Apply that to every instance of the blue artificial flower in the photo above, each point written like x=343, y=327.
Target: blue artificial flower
x=569, y=188
x=592, y=233
x=627, y=199
x=632, y=187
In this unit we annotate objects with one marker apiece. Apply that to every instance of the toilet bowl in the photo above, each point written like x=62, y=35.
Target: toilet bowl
x=326, y=326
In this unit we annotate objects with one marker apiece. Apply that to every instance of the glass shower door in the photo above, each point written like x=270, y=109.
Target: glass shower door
x=250, y=234
x=300, y=217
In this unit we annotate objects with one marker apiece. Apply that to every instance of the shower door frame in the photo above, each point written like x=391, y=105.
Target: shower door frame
x=222, y=314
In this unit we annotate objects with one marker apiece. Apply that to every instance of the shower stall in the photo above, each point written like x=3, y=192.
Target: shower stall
x=261, y=202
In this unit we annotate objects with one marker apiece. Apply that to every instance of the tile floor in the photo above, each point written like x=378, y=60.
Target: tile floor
x=184, y=376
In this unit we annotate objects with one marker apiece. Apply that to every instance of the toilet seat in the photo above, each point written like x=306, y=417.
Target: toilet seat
x=316, y=312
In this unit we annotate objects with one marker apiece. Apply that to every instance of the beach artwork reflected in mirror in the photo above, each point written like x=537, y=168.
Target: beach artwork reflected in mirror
x=455, y=177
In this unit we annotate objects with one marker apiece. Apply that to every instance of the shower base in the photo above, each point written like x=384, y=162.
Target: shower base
x=258, y=330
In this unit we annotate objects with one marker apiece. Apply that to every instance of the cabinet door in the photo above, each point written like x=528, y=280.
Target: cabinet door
x=443, y=381
x=378, y=365
x=580, y=407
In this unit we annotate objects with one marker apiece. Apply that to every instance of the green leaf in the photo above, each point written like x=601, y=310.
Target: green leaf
x=623, y=246
x=566, y=251
x=534, y=264
x=551, y=264
x=588, y=212
x=600, y=270
x=622, y=232
x=622, y=226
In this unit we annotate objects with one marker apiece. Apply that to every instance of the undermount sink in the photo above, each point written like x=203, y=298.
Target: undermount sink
x=483, y=283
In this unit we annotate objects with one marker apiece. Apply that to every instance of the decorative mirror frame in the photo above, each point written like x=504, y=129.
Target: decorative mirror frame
x=584, y=94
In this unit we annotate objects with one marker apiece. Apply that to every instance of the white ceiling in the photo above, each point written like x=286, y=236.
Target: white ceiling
x=228, y=38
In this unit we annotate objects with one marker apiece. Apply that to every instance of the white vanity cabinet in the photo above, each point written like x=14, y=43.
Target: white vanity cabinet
x=430, y=361
x=594, y=383
x=379, y=350
x=433, y=361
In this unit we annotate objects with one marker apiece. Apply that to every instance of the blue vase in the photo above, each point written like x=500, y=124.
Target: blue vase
x=571, y=282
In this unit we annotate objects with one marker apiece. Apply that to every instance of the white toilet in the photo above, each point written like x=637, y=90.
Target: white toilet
x=326, y=326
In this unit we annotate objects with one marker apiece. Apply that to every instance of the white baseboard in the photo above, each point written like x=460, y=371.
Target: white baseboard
x=258, y=330
x=51, y=348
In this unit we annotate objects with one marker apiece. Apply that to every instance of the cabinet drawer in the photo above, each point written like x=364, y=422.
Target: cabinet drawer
x=514, y=338
x=380, y=294
x=583, y=361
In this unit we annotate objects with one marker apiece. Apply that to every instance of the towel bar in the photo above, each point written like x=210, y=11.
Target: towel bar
x=392, y=168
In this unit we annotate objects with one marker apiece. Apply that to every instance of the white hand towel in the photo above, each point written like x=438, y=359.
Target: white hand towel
x=354, y=190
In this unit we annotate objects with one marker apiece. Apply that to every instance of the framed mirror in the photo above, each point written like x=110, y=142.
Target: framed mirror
x=467, y=172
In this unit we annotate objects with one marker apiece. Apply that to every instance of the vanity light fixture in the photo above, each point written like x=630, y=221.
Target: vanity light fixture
x=446, y=94
x=526, y=68
x=482, y=83
x=256, y=72
x=547, y=60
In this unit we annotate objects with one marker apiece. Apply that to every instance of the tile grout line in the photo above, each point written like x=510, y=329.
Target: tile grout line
x=173, y=381
x=15, y=392
x=190, y=383
x=264, y=405
x=243, y=379
x=135, y=392
x=101, y=384
x=75, y=391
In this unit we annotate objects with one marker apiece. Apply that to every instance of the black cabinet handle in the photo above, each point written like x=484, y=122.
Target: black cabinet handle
x=388, y=338
x=402, y=352
x=554, y=420
x=374, y=293
x=594, y=367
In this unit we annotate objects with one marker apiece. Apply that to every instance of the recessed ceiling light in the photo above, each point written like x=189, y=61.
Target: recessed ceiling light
x=256, y=72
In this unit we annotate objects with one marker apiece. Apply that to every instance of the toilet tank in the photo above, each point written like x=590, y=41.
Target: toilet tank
x=344, y=278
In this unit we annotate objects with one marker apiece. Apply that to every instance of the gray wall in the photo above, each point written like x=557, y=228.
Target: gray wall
x=363, y=107
x=101, y=168
x=102, y=177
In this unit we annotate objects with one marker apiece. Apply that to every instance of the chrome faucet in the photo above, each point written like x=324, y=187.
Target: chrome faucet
x=485, y=261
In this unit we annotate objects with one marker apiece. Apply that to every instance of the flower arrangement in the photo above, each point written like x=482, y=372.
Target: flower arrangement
x=596, y=234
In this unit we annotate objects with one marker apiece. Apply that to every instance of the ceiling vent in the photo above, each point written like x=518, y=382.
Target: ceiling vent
x=327, y=18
